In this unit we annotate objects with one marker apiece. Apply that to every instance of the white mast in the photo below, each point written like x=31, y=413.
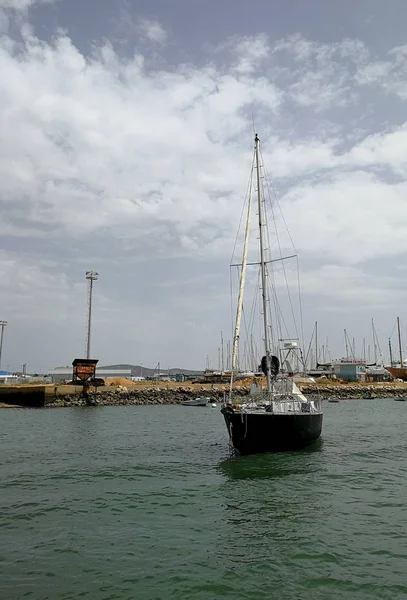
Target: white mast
x=399, y=336
x=241, y=288
x=222, y=368
x=262, y=264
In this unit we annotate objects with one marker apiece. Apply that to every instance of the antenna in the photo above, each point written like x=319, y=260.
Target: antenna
x=3, y=324
x=91, y=276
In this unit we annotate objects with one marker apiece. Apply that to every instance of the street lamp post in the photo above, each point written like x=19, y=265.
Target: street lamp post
x=3, y=324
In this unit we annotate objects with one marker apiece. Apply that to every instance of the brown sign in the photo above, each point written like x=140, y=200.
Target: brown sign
x=85, y=371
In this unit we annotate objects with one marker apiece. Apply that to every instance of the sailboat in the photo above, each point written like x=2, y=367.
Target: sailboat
x=278, y=418
x=398, y=372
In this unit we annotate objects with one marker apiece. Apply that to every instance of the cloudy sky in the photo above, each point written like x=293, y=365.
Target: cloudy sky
x=126, y=133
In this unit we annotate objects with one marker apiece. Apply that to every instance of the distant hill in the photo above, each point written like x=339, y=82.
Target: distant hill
x=139, y=371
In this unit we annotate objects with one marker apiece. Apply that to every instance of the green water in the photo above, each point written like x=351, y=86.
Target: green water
x=144, y=503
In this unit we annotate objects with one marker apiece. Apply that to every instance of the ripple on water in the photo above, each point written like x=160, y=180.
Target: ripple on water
x=146, y=503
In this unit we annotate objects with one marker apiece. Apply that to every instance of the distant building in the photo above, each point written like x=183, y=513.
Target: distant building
x=378, y=374
x=161, y=376
x=7, y=377
x=318, y=373
x=65, y=373
x=125, y=371
x=354, y=370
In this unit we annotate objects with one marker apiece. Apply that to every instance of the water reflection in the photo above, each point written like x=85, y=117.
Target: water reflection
x=272, y=505
x=273, y=465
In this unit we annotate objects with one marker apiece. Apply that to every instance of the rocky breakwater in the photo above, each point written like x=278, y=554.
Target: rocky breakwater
x=354, y=392
x=124, y=396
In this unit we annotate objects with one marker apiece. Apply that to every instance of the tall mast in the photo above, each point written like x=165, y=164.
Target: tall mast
x=316, y=344
x=241, y=287
x=222, y=354
x=262, y=263
x=374, y=342
x=346, y=344
x=391, y=353
x=399, y=334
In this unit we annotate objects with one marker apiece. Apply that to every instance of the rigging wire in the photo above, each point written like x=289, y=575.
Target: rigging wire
x=269, y=186
x=278, y=325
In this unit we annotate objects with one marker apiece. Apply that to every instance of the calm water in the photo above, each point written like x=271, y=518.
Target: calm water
x=144, y=503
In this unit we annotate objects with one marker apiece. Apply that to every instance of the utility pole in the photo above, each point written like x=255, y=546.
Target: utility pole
x=91, y=276
x=3, y=324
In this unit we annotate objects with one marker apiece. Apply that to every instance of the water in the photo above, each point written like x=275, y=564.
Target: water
x=144, y=503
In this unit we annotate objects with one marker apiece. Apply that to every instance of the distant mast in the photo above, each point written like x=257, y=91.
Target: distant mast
x=399, y=334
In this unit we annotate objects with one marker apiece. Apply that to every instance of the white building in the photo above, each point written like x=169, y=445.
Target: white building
x=65, y=373
x=6, y=377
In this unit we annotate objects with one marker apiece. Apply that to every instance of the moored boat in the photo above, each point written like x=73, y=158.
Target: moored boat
x=196, y=402
x=279, y=417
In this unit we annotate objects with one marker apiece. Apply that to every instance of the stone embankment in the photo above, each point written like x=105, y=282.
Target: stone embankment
x=123, y=396
x=354, y=392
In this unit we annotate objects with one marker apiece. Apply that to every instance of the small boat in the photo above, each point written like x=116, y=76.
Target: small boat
x=279, y=417
x=196, y=402
x=399, y=399
x=334, y=400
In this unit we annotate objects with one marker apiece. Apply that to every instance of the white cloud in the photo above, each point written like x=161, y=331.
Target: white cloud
x=153, y=31
x=350, y=217
x=353, y=288
x=21, y=5
x=120, y=146
x=100, y=156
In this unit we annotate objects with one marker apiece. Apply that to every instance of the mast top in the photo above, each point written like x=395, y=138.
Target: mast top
x=256, y=138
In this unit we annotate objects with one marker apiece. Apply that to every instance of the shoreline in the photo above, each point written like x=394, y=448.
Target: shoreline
x=151, y=397
x=146, y=397
x=54, y=396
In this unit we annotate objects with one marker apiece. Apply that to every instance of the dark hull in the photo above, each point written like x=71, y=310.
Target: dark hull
x=259, y=432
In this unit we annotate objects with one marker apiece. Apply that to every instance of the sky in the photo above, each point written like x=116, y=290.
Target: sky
x=126, y=138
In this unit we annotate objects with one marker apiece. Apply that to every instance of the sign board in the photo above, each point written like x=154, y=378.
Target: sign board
x=84, y=370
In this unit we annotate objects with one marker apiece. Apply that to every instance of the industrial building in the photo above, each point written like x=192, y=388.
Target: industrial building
x=7, y=377
x=350, y=370
x=65, y=373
